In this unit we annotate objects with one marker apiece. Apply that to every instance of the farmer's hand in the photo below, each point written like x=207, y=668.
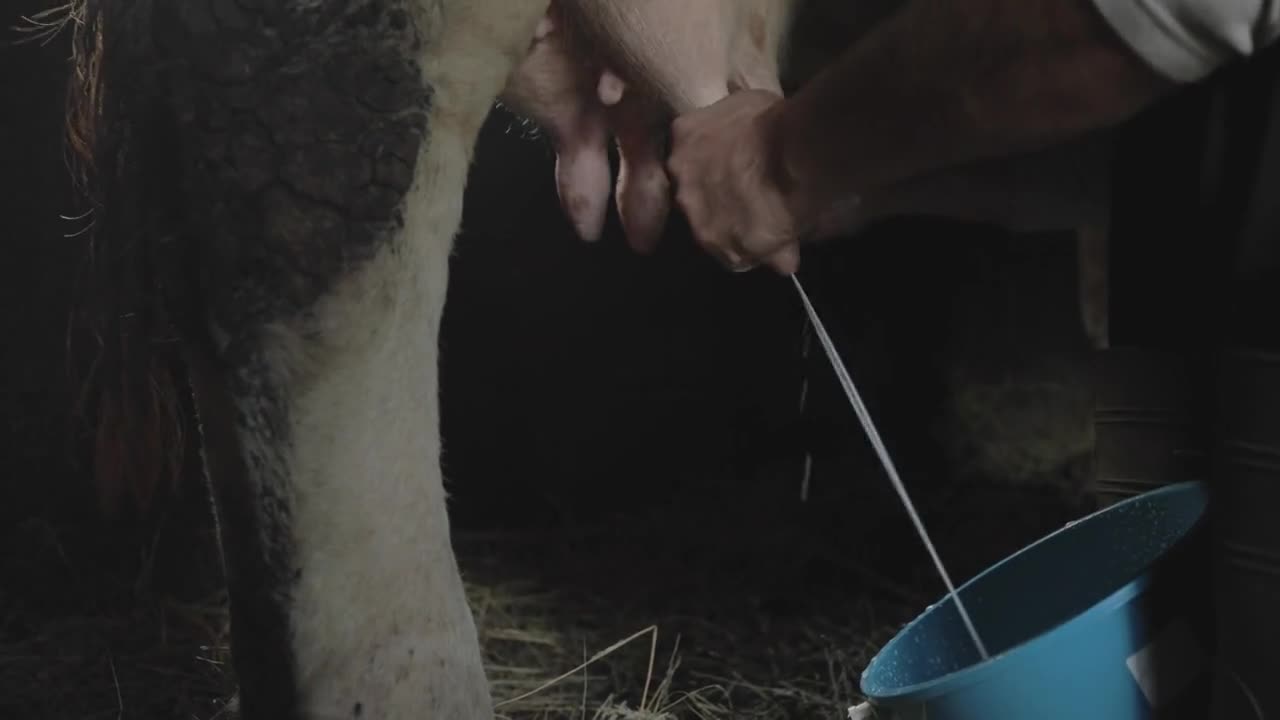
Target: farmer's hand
x=724, y=166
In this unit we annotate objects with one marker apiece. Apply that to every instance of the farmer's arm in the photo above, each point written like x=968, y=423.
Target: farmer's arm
x=950, y=81
x=941, y=83
x=955, y=80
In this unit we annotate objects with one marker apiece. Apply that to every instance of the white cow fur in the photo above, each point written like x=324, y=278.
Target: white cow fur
x=370, y=504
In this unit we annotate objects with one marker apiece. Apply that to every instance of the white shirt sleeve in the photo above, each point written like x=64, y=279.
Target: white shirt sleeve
x=1187, y=40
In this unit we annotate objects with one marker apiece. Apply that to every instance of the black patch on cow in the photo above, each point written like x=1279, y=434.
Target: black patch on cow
x=301, y=131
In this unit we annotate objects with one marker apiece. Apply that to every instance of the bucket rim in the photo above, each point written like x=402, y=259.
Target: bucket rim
x=970, y=675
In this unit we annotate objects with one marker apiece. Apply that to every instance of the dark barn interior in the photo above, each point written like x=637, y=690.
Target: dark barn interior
x=624, y=445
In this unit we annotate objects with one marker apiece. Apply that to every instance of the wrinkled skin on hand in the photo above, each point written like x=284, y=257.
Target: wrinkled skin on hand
x=728, y=187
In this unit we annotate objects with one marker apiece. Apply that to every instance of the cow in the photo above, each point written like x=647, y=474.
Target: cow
x=275, y=187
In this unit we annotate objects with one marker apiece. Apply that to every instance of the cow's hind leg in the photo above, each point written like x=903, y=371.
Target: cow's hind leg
x=346, y=598
x=324, y=160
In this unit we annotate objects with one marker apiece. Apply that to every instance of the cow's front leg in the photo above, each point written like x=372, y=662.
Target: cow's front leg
x=325, y=162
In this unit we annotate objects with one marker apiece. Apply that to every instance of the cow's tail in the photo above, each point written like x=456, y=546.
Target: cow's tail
x=121, y=346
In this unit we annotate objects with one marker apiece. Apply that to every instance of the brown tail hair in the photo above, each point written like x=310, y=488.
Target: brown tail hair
x=121, y=344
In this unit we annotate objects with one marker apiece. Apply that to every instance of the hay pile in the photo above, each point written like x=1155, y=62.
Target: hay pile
x=658, y=648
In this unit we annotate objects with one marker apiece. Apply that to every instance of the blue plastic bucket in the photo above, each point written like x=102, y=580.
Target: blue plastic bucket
x=1107, y=618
